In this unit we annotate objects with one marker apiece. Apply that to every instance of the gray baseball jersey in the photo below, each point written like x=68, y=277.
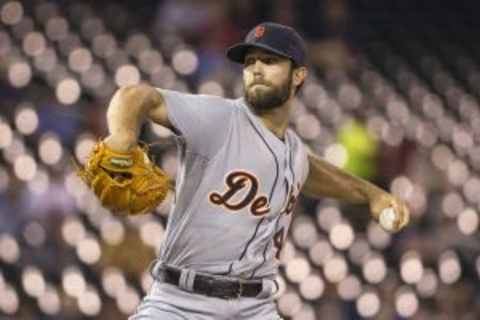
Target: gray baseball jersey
x=236, y=187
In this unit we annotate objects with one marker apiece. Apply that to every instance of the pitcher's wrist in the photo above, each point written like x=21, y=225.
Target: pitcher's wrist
x=121, y=142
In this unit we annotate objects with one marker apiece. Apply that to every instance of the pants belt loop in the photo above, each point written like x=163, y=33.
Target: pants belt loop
x=155, y=268
x=187, y=277
x=268, y=289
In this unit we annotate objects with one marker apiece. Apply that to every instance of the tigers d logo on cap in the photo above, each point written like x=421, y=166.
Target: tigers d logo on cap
x=259, y=31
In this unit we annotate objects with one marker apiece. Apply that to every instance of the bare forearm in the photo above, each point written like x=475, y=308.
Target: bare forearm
x=127, y=110
x=326, y=180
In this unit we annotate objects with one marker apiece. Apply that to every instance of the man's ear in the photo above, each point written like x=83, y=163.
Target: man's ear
x=299, y=75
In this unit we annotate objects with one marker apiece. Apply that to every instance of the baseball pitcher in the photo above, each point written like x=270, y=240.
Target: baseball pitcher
x=241, y=170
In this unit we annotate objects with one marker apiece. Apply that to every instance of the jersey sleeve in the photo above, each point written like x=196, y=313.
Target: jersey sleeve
x=202, y=121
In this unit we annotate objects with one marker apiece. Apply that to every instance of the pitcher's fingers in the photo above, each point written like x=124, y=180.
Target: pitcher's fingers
x=405, y=216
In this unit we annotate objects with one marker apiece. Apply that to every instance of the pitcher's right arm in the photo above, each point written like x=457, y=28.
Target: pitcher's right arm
x=128, y=108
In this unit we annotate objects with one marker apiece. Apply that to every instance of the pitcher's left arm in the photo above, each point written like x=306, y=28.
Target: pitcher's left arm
x=326, y=180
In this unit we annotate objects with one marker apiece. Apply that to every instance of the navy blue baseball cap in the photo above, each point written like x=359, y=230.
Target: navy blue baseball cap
x=274, y=37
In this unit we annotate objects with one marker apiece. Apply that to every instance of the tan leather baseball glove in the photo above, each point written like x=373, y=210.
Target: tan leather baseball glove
x=125, y=183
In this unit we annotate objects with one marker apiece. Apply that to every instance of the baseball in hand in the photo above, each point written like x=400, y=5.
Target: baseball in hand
x=387, y=219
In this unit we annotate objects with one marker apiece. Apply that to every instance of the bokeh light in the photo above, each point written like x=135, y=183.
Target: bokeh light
x=19, y=74
x=35, y=234
x=40, y=184
x=128, y=300
x=73, y=282
x=342, y=236
x=377, y=236
x=312, y=287
x=304, y=234
x=337, y=155
x=335, y=269
x=88, y=250
x=306, y=313
x=374, y=269
x=26, y=120
x=57, y=28
x=328, y=217
x=33, y=282
x=349, y=288
x=6, y=135
x=112, y=231
x=449, y=267
x=25, y=167
x=467, y=221
x=49, y=302
x=320, y=252
x=127, y=75
x=150, y=61
x=290, y=304
x=368, y=304
x=89, y=303
x=211, y=88
x=359, y=250
x=73, y=231
x=297, y=269
x=80, y=59
x=113, y=281
x=427, y=286
x=185, y=62
x=406, y=303
x=12, y=12
x=83, y=148
x=152, y=233
x=34, y=43
x=9, y=249
x=411, y=269
x=68, y=91
x=10, y=302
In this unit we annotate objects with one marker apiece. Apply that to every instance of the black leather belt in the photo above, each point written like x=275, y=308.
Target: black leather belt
x=214, y=287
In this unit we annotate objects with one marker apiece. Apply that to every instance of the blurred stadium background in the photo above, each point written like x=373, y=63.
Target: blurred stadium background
x=393, y=96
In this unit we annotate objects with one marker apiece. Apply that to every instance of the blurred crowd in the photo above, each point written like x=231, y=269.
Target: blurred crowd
x=393, y=96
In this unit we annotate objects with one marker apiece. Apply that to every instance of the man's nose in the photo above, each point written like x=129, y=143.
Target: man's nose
x=258, y=67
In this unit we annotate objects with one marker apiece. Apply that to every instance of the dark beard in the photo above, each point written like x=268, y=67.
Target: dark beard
x=264, y=100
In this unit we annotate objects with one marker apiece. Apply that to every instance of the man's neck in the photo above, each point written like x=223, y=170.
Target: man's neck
x=276, y=120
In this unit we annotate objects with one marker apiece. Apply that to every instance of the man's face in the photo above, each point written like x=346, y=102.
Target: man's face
x=267, y=79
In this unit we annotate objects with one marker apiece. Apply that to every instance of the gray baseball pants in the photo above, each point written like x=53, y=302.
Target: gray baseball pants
x=168, y=302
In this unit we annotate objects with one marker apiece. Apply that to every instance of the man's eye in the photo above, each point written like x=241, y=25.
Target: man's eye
x=249, y=61
x=270, y=60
